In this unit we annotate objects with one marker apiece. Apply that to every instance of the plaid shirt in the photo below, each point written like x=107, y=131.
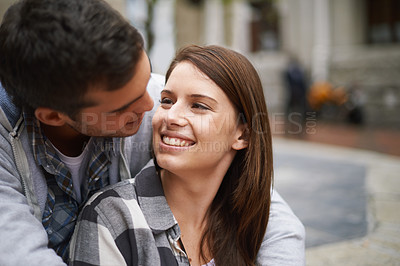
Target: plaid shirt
x=129, y=223
x=61, y=209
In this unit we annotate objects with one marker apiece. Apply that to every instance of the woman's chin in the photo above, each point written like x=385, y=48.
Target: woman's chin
x=171, y=166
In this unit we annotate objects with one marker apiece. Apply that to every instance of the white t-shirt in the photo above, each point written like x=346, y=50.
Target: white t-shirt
x=73, y=164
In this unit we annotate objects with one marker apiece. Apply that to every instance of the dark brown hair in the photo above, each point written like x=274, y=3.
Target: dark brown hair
x=238, y=216
x=53, y=51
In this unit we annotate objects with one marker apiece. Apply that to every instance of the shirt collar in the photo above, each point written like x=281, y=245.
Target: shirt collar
x=44, y=153
x=39, y=147
x=152, y=200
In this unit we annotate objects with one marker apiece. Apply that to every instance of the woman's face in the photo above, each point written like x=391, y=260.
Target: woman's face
x=196, y=127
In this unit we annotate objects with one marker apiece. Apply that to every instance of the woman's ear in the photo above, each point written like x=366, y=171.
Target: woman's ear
x=49, y=116
x=242, y=138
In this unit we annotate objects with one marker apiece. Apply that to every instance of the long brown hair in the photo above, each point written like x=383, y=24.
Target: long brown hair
x=238, y=216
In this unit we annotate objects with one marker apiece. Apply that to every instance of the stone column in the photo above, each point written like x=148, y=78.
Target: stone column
x=241, y=26
x=163, y=49
x=189, y=23
x=214, y=22
x=137, y=13
x=321, y=47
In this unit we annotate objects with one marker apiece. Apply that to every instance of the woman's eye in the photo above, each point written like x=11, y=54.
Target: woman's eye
x=165, y=101
x=200, y=106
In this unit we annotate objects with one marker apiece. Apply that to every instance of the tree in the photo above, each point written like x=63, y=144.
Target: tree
x=148, y=24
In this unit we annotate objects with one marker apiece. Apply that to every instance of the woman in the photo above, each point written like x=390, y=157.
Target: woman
x=206, y=199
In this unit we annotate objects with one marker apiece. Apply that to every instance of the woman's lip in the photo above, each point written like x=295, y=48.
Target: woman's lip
x=176, y=135
x=176, y=142
x=166, y=147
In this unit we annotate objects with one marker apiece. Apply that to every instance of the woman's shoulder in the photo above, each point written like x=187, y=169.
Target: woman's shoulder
x=123, y=193
x=284, y=239
x=111, y=197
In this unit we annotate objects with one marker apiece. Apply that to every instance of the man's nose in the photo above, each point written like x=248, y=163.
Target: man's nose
x=147, y=103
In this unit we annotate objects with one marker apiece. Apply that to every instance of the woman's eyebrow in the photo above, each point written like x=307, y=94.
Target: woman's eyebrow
x=203, y=96
x=167, y=91
x=195, y=95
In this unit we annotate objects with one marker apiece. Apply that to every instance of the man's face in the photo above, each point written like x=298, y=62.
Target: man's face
x=117, y=113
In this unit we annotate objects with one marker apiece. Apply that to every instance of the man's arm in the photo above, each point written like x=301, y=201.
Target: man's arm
x=284, y=241
x=23, y=238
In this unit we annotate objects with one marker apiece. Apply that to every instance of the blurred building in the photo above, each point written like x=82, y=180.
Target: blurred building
x=353, y=44
x=4, y=4
x=350, y=43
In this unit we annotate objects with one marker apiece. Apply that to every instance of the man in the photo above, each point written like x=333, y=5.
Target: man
x=77, y=87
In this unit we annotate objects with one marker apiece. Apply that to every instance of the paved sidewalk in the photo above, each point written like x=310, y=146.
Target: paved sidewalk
x=379, y=139
x=379, y=243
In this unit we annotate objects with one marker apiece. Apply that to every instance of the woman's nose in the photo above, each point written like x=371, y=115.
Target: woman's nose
x=176, y=115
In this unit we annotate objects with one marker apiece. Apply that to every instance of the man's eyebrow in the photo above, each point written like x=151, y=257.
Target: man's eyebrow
x=127, y=105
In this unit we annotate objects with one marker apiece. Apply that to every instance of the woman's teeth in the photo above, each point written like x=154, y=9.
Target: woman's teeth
x=175, y=142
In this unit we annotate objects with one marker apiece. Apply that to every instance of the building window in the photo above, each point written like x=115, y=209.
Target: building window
x=264, y=25
x=383, y=24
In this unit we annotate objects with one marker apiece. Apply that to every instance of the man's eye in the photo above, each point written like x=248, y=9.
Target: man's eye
x=120, y=111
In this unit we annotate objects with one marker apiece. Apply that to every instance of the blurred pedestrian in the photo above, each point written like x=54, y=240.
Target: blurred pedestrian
x=296, y=102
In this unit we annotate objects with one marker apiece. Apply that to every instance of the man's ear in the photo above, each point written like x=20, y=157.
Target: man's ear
x=242, y=138
x=49, y=116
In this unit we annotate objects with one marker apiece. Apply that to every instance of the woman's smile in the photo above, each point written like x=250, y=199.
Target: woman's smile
x=171, y=139
x=175, y=142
